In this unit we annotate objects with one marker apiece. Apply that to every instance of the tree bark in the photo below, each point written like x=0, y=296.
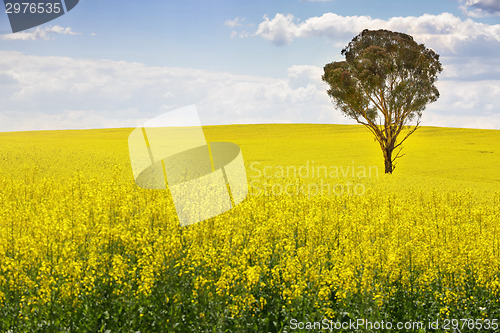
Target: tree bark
x=388, y=159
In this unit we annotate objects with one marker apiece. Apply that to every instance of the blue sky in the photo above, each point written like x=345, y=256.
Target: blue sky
x=110, y=63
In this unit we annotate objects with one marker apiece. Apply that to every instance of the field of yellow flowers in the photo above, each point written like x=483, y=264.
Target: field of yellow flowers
x=83, y=249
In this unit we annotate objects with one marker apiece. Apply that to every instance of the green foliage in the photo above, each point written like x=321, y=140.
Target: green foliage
x=387, y=63
x=384, y=83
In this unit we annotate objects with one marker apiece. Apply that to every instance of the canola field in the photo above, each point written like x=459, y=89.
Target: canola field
x=323, y=237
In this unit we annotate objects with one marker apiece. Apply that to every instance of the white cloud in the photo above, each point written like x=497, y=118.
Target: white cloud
x=470, y=68
x=480, y=8
x=470, y=82
x=236, y=22
x=59, y=93
x=431, y=118
x=445, y=32
x=468, y=98
x=39, y=33
x=241, y=34
x=280, y=30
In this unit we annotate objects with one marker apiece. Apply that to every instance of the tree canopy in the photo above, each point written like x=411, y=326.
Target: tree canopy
x=384, y=83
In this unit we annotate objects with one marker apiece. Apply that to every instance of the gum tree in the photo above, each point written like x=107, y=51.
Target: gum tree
x=384, y=83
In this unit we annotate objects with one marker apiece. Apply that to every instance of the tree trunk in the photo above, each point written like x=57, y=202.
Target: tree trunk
x=388, y=160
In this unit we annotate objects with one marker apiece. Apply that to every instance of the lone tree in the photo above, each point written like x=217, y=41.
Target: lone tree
x=384, y=83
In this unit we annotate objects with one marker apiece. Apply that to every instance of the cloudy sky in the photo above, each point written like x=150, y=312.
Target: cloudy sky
x=117, y=63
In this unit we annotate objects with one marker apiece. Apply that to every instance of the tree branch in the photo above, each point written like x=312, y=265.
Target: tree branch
x=407, y=135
